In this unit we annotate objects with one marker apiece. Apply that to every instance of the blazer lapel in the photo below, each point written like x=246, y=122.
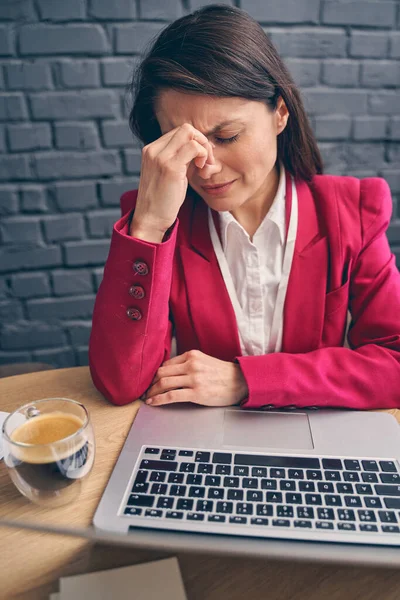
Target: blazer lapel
x=212, y=313
x=305, y=296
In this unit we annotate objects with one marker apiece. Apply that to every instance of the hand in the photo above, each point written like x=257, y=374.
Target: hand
x=163, y=179
x=199, y=378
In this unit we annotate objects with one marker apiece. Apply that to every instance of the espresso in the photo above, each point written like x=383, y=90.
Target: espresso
x=51, y=460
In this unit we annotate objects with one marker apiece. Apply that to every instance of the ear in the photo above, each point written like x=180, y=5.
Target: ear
x=281, y=115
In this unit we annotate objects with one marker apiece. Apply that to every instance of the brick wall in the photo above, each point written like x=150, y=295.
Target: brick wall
x=66, y=153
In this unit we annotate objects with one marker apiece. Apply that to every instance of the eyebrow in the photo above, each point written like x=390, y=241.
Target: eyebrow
x=222, y=125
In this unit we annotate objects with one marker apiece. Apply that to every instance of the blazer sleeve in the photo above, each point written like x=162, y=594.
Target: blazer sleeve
x=367, y=374
x=125, y=353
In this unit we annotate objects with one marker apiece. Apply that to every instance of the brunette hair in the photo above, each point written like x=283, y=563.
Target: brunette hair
x=221, y=51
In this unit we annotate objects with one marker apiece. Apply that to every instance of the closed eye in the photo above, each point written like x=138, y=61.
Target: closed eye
x=227, y=140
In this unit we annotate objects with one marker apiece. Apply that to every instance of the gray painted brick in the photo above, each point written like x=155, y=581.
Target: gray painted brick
x=111, y=191
x=8, y=200
x=23, y=335
x=68, y=307
x=20, y=230
x=168, y=11
x=380, y=73
x=103, y=9
x=134, y=38
x=132, y=161
x=27, y=75
x=395, y=45
x=17, y=11
x=78, y=332
x=72, y=196
x=116, y=134
x=15, y=258
x=304, y=72
x=306, y=42
x=74, y=165
x=63, y=227
x=384, y=103
x=6, y=41
x=341, y=73
x=392, y=176
x=365, y=155
x=333, y=101
x=369, y=128
x=30, y=285
x=4, y=288
x=33, y=199
x=196, y=4
x=88, y=104
x=61, y=358
x=98, y=277
x=101, y=222
x=7, y=358
x=15, y=167
x=12, y=107
x=394, y=130
x=78, y=73
x=333, y=155
x=2, y=139
x=335, y=127
x=70, y=282
x=82, y=356
x=365, y=44
x=90, y=252
x=63, y=39
x=10, y=311
x=359, y=12
x=76, y=136
x=284, y=11
x=394, y=153
x=54, y=10
x=118, y=71
x=36, y=136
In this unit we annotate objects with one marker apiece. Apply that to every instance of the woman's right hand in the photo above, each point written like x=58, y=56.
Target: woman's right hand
x=163, y=179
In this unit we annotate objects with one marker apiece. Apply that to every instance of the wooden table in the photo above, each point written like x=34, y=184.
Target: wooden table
x=31, y=563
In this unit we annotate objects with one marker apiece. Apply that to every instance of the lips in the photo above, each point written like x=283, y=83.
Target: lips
x=217, y=186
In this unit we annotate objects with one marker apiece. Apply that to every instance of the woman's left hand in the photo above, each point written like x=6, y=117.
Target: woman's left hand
x=199, y=378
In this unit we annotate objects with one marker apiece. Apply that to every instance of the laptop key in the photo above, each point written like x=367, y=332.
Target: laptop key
x=250, y=482
x=177, y=490
x=231, y=482
x=333, y=500
x=305, y=512
x=205, y=505
x=259, y=472
x=372, y=478
x=223, y=458
x=140, y=488
x=366, y=515
x=269, y=484
x=195, y=517
x=324, y=525
x=133, y=511
x=274, y=497
x=277, y=473
x=259, y=521
x=158, y=488
x=392, y=502
x=141, y=476
x=325, y=487
x=306, y=486
x=254, y=496
x=235, y=495
x=284, y=511
x=303, y=523
x=242, y=471
x=352, y=501
x=141, y=500
x=370, y=465
x=174, y=514
x=176, y=478
x=205, y=468
x=326, y=513
x=364, y=488
x=368, y=527
x=346, y=514
x=217, y=518
x=194, y=479
x=158, y=476
x=296, y=474
x=213, y=480
x=159, y=465
x=187, y=467
x=152, y=451
x=293, y=498
x=313, y=499
x=387, y=516
x=333, y=464
x=244, y=508
x=238, y=520
x=265, y=510
x=351, y=476
x=223, y=470
x=352, y=465
x=287, y=486
x=387, y=490
x=165, y=502
x=168, y=455
x=281, y=522
x=224, y=507
x=314, y=474
x=333, y=476
x=216, y=493
x=390, y=529
x=197, y=492
x=184, y=504
x=152, y=512
x=388, y=466
x=346, y=526
x=345, y=488
x=202, y=457
x=389, y=477
x=257, y=460
x=186, y=452
x=373, y=502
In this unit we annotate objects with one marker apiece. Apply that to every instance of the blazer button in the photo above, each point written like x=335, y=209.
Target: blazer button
x=267, y=406
x=134, y=314
x=140, y=267
x=137, y=292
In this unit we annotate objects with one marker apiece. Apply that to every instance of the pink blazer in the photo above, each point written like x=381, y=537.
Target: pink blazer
x=342, y=261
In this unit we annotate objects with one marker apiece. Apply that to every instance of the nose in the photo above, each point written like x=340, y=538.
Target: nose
x=212, y=166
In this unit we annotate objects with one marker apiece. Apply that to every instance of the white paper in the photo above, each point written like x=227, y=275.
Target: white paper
x=160, y=579
x=3, y=416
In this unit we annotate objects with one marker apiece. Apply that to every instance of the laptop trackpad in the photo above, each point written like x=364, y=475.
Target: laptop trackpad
x=267, y=430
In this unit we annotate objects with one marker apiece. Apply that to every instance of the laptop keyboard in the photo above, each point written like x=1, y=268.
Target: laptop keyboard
x=245, y=494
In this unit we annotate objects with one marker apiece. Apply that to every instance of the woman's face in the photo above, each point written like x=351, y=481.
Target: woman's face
x=245, y=146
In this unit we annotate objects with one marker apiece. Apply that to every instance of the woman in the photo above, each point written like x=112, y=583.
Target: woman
x=254, y=278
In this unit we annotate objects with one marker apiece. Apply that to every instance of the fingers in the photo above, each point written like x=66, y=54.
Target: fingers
x=166, y=384
x=183, y=395
x=170, y=371
x=193, y=141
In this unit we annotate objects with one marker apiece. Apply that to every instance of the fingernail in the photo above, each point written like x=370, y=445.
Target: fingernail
x=149, y=401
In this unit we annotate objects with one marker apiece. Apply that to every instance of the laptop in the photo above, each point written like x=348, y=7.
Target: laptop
x=320, y=484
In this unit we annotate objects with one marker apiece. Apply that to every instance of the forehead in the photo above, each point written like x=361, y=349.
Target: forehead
x=174, y=108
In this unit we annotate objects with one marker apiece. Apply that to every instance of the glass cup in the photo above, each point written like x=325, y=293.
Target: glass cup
x=49, y=448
